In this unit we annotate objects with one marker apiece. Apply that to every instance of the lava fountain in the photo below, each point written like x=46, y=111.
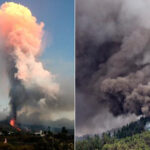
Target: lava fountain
x=13, y=124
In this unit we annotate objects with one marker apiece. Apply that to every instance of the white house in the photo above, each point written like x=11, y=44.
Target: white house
x=147, y=126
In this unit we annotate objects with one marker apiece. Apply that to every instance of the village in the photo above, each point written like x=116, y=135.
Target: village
x=34, y=139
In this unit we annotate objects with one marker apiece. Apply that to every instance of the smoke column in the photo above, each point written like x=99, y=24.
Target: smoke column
x=21, y=38
x=112, y=61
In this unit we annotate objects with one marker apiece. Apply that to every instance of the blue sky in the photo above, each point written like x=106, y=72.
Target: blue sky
x=58, y=16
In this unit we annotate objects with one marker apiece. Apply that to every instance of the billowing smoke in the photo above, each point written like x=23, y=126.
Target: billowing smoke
x=21, y=39
x=113, y=59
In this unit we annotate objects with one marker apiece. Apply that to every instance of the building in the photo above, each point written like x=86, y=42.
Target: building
x=147, y=126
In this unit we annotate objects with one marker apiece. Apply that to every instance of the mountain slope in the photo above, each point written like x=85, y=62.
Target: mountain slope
x=136, y=142
x=130, y=137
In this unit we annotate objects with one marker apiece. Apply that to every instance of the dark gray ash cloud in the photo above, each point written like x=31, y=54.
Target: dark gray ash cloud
x=113, y=62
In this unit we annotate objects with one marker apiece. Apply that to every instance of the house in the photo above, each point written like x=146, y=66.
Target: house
x=5, y=141
x=147, y=126
x=40, y=133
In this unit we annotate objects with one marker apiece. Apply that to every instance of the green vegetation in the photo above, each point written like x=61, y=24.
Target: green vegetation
x=29, y=141
x=136, y=142
x=130, y=137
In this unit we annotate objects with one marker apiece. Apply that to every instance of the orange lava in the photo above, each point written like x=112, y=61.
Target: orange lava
x=13, y=124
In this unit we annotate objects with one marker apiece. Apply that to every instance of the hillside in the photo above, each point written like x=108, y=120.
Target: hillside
x=139, y=141
x=133, y=136
x=34, y=138
x=136, y=142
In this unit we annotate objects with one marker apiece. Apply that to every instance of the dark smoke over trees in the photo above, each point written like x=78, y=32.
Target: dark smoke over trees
x=113, y=62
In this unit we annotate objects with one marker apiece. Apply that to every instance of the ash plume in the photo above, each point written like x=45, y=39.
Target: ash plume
x=113, y=59
x=21, y=39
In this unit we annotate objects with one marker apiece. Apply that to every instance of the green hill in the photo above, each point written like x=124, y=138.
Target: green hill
x=136, y=142
x=140, y=141
x=130, y=137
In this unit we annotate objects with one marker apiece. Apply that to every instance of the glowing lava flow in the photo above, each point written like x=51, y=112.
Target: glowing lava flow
x=13, y=124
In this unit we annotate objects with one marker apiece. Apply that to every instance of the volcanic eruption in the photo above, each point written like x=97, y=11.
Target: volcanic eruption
x=13, y=124
x=21, y=39
x=112, y=62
